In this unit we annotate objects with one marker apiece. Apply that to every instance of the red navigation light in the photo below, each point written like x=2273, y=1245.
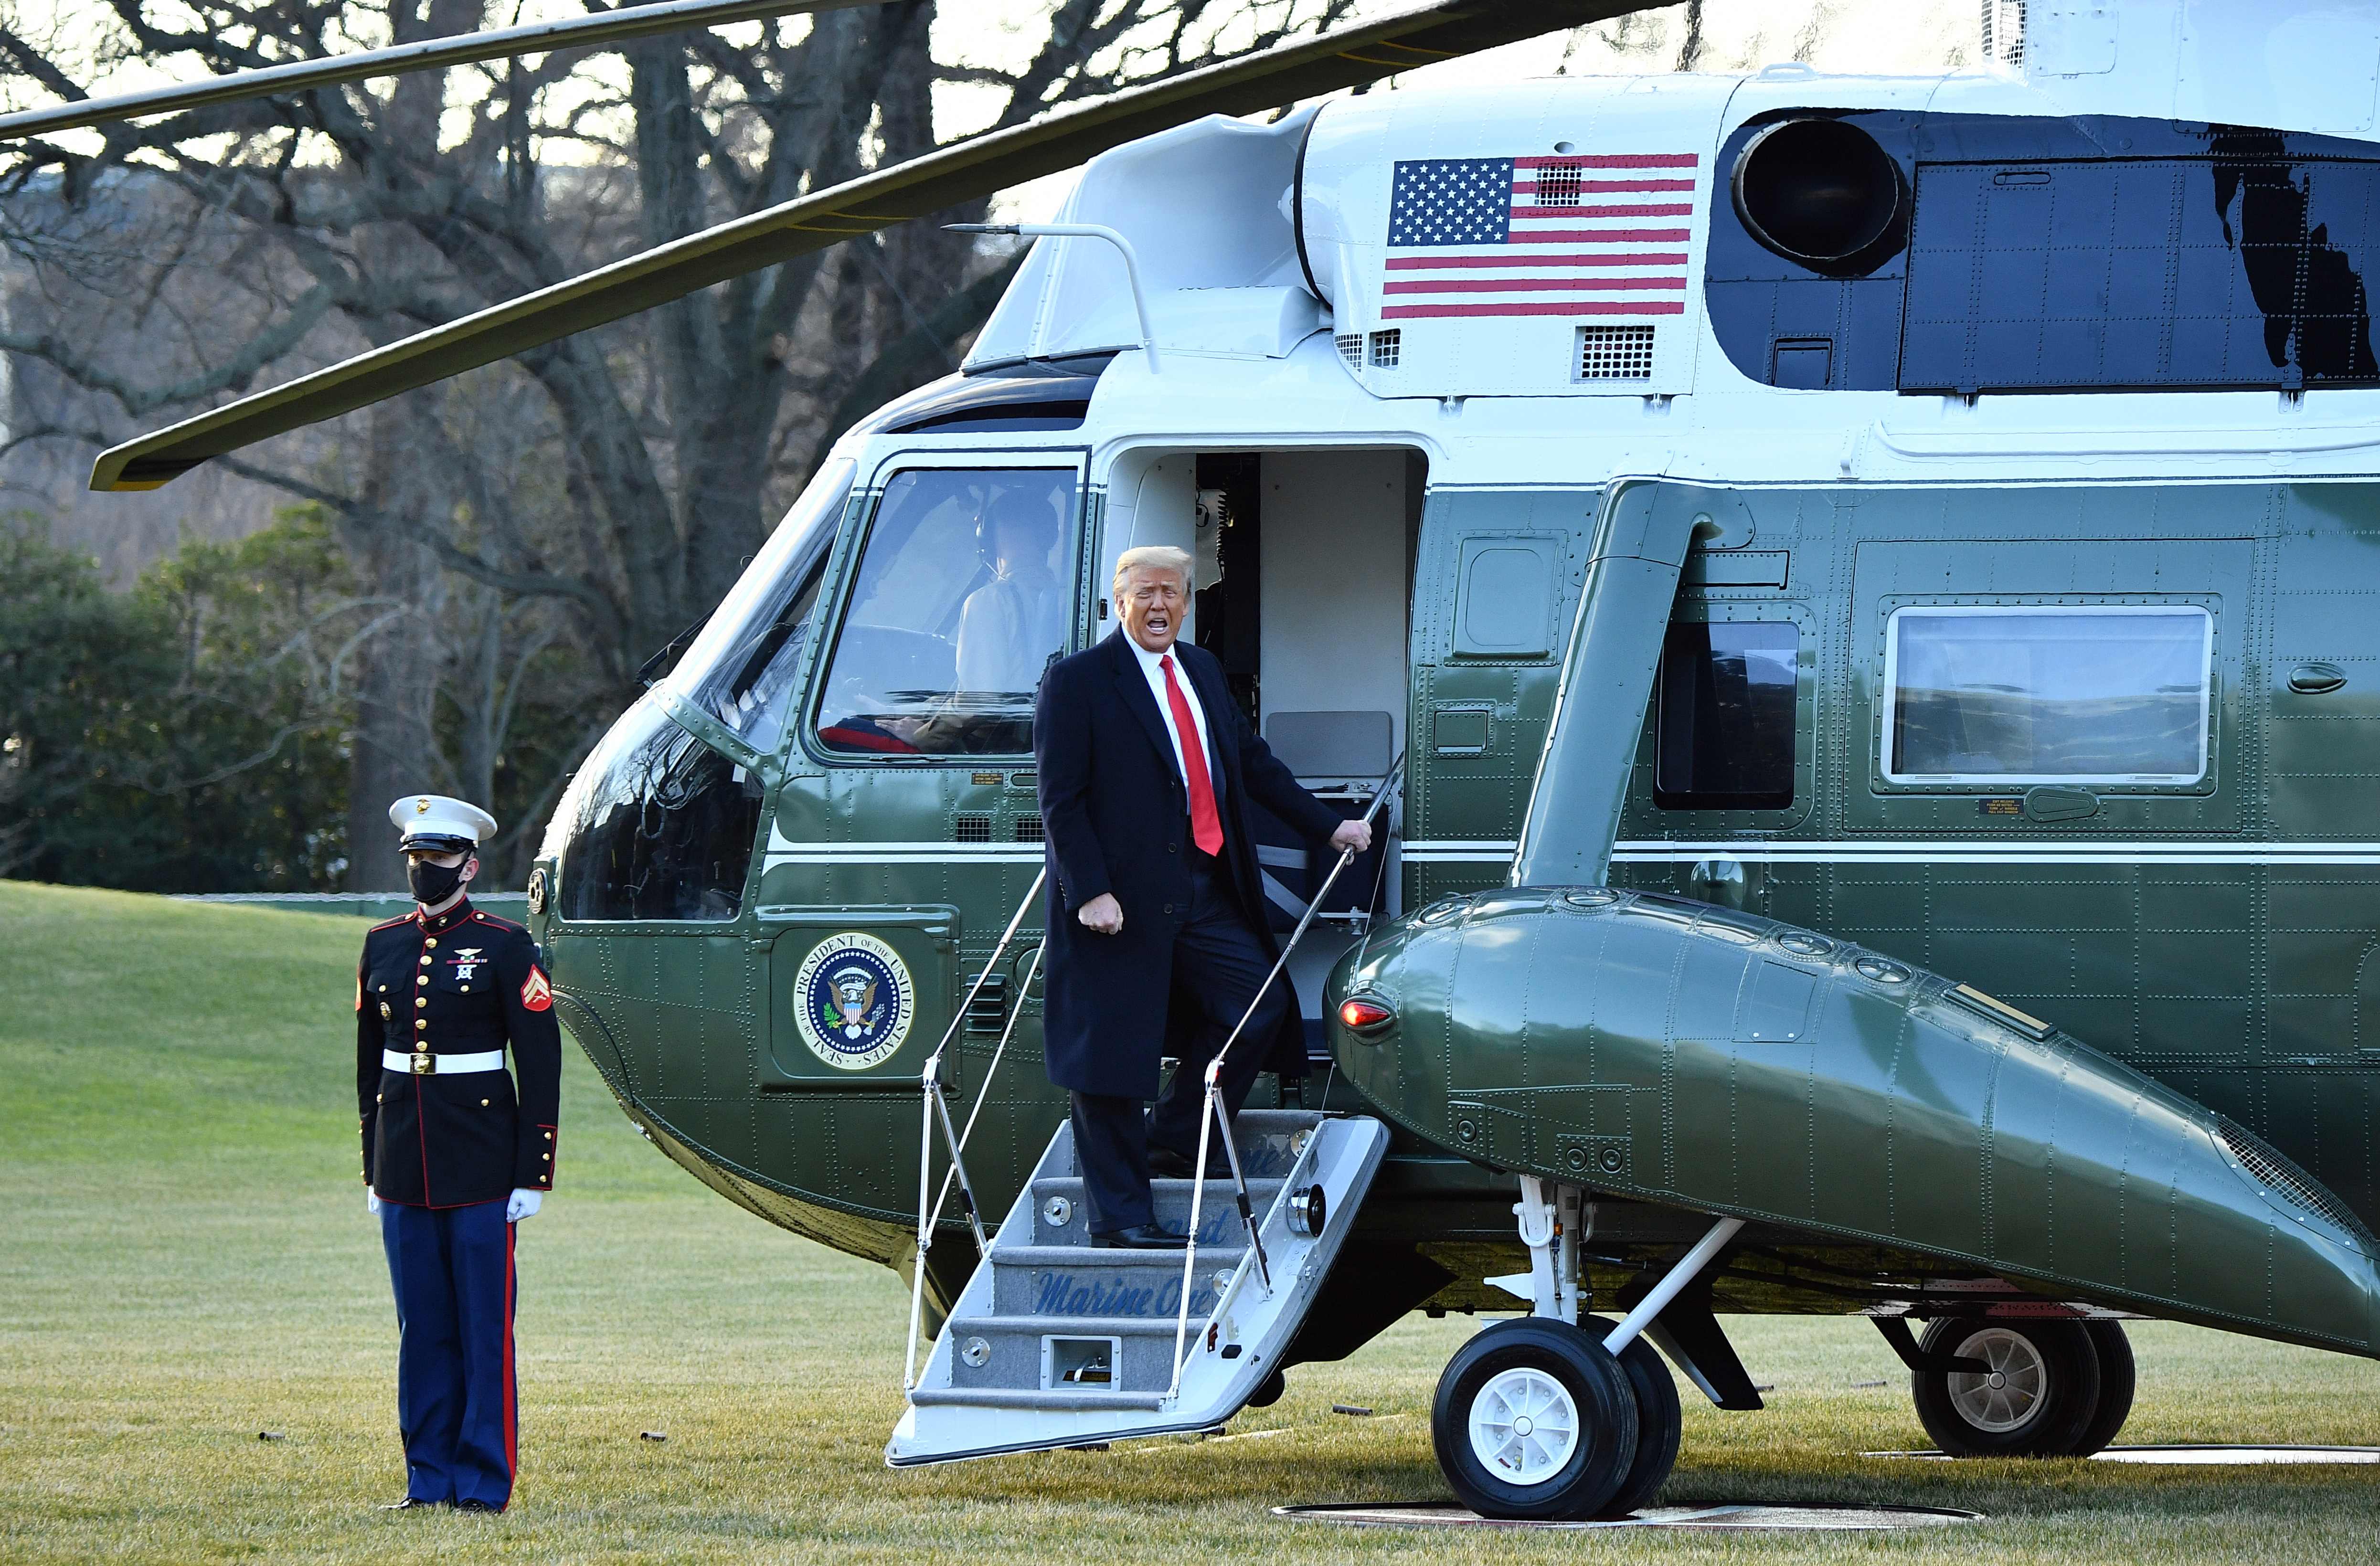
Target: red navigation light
x=1362, y=1015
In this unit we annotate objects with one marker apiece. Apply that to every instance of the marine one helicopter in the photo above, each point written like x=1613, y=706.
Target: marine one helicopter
x=1871, y=580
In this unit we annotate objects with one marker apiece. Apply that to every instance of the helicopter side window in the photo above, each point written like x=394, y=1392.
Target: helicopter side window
x=1724, y=734
x=741, y=668
x=656, y=825
x=961, y=602
x=2106, y=694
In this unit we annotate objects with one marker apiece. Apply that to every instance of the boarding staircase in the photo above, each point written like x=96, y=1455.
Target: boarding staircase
x=1056, y=1342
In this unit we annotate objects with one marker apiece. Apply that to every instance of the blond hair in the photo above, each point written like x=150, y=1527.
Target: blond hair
x=1154, y=557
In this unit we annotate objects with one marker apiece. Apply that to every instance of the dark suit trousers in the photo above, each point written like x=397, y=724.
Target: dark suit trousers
x=1218, y=963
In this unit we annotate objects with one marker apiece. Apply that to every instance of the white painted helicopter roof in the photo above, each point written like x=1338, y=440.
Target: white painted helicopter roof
x=1259, y=346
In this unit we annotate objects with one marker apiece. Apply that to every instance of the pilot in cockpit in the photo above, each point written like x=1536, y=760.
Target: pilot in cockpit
x=1009, y=626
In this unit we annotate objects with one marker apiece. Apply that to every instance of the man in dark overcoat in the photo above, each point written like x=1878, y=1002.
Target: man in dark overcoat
x=455, y=1153
x=1156, y=938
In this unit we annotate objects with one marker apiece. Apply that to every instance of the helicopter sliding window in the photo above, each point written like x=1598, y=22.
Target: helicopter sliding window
x=960, y=604
x=1724, y=735
x=657, y=825
x=2104, y=694
x=741, y=668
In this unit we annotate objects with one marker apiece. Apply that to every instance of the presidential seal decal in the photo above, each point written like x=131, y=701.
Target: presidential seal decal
x=853, y=1001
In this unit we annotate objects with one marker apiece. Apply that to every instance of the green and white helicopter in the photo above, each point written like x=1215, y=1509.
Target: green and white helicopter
x=1852, y=596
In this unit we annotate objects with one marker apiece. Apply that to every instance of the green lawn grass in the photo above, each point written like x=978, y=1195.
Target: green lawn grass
x=185, y=1261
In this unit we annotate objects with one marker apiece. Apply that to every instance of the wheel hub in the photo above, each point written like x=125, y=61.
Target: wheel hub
x=2007, y=1396
x=1523, y=1426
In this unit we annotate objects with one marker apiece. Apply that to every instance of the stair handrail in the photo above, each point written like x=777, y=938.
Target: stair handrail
x=934, y=1110
x=1216, y=1114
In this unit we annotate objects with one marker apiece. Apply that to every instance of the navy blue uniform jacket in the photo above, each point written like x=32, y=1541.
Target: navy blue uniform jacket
x=462, y=983
x=1116, y=817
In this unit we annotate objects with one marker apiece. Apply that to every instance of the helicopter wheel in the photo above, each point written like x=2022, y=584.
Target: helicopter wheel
x=1659, y=1420
x=1534, y=1420
x=2117, y=1379
x=2037, y=1400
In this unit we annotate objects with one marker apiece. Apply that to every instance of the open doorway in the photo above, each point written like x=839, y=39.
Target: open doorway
x=1306, y=572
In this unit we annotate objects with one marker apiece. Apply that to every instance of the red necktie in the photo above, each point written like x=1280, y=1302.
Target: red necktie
x=1206, y=827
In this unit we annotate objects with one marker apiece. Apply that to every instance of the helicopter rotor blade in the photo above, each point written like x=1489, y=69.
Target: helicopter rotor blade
x=1421, y=35
x=428, y=54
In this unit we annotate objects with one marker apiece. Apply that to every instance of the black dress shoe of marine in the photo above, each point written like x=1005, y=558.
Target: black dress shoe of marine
x=1142, y=1237
x=1167, y=1164
x=473, y=1503
x=411, y=1503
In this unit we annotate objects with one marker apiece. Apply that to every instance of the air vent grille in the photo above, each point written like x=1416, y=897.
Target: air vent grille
x=1615, y=353
x=1028, y=828
x=2273, y=1169
x=971, y=828
x=2004, y=31
x=1557, y=185
x=1387, y=346
x=989, y=1009
x=1351, y=349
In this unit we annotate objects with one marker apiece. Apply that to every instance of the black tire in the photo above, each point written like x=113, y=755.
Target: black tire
x=2118, y=1378
x=2048, y=1392
x=1269, y=1391
x=1659, y=1420
x=1504, y=1370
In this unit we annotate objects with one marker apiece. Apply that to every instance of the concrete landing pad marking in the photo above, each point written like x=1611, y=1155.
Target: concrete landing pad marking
x=1736, y=1515
x=2197, y=1456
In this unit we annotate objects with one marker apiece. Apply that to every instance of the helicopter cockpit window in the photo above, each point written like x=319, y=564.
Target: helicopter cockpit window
x=657, y=825
x=1724, y=734
x=741, y=668
x=2107, y=693
x=960, y=604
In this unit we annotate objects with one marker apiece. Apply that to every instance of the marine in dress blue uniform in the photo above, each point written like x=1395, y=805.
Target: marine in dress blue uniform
x=456, y=1149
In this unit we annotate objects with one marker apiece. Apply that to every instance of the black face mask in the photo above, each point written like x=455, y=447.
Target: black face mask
x=433, y=884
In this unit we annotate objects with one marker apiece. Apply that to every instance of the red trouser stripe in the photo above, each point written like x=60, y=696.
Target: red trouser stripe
x=512, y=1409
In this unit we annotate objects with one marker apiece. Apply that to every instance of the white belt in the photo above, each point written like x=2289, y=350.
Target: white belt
x=428, y=1065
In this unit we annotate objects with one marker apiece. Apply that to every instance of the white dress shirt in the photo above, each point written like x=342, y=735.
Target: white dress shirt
x=1151, y=665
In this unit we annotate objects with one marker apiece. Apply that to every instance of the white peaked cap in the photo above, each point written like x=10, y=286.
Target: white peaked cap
x=427, y=819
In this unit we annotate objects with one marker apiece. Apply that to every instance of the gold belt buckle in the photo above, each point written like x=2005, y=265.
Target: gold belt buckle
x=424, y=1063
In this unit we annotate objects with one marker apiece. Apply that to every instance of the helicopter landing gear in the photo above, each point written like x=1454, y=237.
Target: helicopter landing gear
x=1543, y=1419
x=1534, y=1420
x=2051, y=1389
x=1659, y=1421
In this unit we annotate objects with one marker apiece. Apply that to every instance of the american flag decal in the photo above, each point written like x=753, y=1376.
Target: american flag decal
x=1589, y=235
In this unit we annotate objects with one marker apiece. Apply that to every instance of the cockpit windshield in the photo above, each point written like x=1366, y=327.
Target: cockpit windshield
x=741, y=668
x=657, y=825
x=963, y=598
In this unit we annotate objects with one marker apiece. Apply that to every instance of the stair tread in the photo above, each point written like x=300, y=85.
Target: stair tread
x=1107, y=1255
x=1007, y=1396
x=1073, y=1326
x=1056, y=1184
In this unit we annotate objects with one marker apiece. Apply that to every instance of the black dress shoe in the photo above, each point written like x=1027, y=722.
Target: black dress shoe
x=475, y=1504
x=411, y=1503
x=1142, y=1237
x=1167, y=1164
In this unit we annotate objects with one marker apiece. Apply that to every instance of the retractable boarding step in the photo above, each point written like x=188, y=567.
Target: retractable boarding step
x=1056, y=1342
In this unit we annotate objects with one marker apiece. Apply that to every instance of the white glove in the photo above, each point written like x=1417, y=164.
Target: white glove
x=524, y=1204
x=372, y=1201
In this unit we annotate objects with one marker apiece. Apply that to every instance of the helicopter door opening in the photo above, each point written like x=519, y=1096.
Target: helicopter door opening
x=1305, y=585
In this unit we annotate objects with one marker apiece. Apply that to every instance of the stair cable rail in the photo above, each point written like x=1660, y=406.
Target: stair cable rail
x=935, y=1111
x=1216, y=1114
